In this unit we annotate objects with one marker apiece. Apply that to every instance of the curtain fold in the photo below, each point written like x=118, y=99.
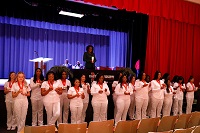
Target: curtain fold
x=173, y=47
x=180, y=10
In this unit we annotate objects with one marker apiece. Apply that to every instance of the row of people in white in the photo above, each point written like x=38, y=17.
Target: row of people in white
x=42, y=92
x=158, y=96
x=55, y=92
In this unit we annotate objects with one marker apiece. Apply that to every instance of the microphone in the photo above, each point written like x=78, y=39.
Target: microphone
x=36, y=53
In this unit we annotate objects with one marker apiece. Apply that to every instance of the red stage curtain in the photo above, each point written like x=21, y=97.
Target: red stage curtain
x=173, y=47
x=171, y=9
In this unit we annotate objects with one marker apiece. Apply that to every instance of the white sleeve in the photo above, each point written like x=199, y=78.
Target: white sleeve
x=119, y=90
x=6, y=84
x=108, y=90
x=14, y=88
x=138, y=85
x=69, y=91
x=188, y=85
x=44, y=85
x=94, y=90
x=33, y=85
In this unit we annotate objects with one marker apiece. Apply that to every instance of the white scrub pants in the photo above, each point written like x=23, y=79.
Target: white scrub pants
x=11, y=120
x=64, y=109
x=115, y=106
x=141, y=108
x=100, y=111
x=177, y=107
x=76, y=113
x=189, y=105
x=122, y=109
x=37, y=112
x=20, y=108
x=131, y=110
x=85, y=106
x=53, y=112
x=156, y=107
x=167, y=106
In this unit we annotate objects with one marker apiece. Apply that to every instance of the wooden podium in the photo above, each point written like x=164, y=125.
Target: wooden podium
x=41, y=63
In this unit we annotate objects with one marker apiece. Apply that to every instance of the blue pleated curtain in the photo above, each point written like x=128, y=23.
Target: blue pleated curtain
x=19, y=38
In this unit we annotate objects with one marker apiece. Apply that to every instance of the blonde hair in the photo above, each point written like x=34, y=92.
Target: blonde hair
x=20, y=72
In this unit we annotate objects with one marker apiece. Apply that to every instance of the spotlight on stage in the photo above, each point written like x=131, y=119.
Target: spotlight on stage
x=71, y=14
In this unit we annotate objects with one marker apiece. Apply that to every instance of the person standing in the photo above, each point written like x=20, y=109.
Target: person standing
x=11, y=120
x=76, y=96
x=157, y=98
x=168, y=98
x=20, y=92
x=99, y=92
x=179, y=88
x=114, y=84
x=141, y=96
x=36, y=97
x=64, y=101
x=190, y=88
x=131, y=111
x=89, y=58
x=86, y=90
x=51, y=91
x=123, y=92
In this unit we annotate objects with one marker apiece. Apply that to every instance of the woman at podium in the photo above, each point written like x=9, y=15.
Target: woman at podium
x=89, y=58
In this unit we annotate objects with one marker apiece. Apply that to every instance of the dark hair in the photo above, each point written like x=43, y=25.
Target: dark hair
x=175, y=78
x=191, y=77
x=147, y=76
x=131, y=77
x=120, y=79
x=35, y=76
x=165, y=76
x=50, y=72
x=81, y=77
x=9, y=78
x=75, y=80
x=166, y=80
x=98, y=76
x=140, y=75
x=60, y=74
x=116, y=78
x=181, y=78
x=156, y=75
x=87, y=48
